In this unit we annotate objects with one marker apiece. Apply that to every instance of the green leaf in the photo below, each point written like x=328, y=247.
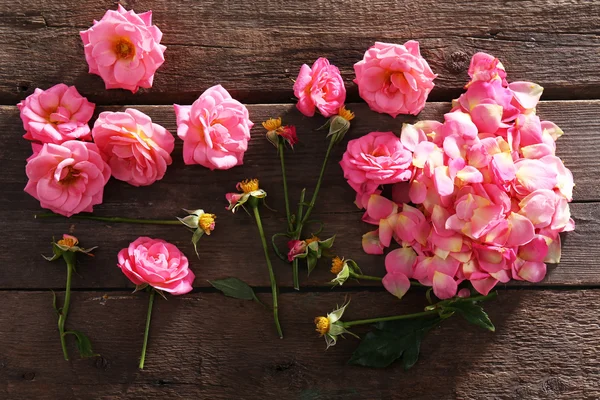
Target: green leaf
x=472, y=312
x=234, y=287
x=393, y=340
x=311, y=261
x=195, y=238
x=84, y=345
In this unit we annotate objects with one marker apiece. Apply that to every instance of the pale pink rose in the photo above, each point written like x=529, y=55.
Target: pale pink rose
x=378, y=158
x=157, y=263
x=56, y=115
x=487, y=68
x=320, y=87
x=215, y=130
x=68, y=178
x=137, y=150
x=124, y=49
x=394, y=79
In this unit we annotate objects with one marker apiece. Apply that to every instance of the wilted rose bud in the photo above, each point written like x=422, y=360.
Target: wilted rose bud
x=201, y=223
x=250, y=190
x=339, y=124
x=275, y=131
x=68, y=244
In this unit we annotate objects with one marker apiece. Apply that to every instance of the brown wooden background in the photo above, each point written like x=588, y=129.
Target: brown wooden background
x=206, y=346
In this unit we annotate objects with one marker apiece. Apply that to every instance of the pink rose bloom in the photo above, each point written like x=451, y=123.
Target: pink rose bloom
x=320, y=87
x=394, y=79
x=215, y=130
x=68, y=178
x=297, y=247
x=485, y=67
x=137, y=150
x=157, y=263
x=378, y=158
x=56, y=115
x=124, y=49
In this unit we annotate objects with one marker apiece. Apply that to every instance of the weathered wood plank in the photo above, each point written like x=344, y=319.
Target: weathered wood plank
x=255, y=48
x=234, y=250
x=207, y=346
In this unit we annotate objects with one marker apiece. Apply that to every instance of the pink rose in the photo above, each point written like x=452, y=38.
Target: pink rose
x=124, y=49
x=297, y=247
x=215, y=130
x=137, y=150
x=394, y=79
x=157, y=263
x=68, y=178
x=378, y=158
x=485, y=67
x=56, y=115
x=322, y=87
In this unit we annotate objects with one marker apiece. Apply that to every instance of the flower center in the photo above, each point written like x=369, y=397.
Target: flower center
x=337, y=264
x=322, y=324
x=346, y=114
x=207, y=222
x=249, y=185
x=72, y=176
x=272, y=124
x=69, y=242
x=124, y=48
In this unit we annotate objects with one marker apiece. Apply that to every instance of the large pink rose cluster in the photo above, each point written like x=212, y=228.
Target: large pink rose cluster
x=490, y=196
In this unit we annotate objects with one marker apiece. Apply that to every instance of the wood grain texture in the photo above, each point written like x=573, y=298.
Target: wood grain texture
x=254, y=49
x=234, y=249
x=210, y=347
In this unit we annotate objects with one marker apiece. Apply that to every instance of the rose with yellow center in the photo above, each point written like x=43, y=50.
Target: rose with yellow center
x=311, y=240
x=206, y=222
x=124, y=48
x=272, y=124
x=68, y=241
x=336, y=265
x=346, y=114
x=322, y=324
x=249, y=185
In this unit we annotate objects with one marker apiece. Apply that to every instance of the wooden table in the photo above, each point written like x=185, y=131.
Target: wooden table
x=206, y=346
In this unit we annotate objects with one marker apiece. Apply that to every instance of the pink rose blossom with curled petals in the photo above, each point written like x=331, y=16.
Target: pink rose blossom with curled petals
x=137, y=150
x=124, y=49
x=215, y=130
x=56, y=115
x=320, y=86
x=157, y=263
x=378, y=158
x=394, y=79
x=68, y=178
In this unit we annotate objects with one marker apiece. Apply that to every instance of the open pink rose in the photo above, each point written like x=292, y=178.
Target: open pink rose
x=320, y=87
x=378, y=158
x=56, y=115
x=68, y=178
x=215, y=130
x=157, y=263
x=394, y=79
x=138, y=151
x=124, y=49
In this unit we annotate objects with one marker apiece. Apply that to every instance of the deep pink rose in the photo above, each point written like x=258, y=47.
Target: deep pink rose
x=68, y=178
x=297, y=247
x=157, y=263
x=56, y=115
x=378, y=158
x=320, y=87
x=124, y=49
x=137, y=150
x=394, y=79
x=215, y=130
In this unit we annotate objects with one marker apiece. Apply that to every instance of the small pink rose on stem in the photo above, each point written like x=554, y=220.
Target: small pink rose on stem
x=124, y=49
x=137, y=150
x=394, y=79
x=67, y=178
x=215, y=130
x=319, y=87
x=159, y=266
x=276, y=130
x=56, y=115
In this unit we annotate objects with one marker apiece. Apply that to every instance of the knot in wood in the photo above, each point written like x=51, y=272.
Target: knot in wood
x=457, y=61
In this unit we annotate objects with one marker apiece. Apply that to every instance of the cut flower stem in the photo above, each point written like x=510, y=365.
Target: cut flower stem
x=288, y=213
x=147, y=331
x=270, y=268
x=62, y=317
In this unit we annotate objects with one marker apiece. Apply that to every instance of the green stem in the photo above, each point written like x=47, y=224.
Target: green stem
x=113, y=219
x=394, y=318
x=318, y=186
x=270, y=268
x=62, y=318
x=365, y=277
x=288, y=214
x=490, y=296
x=295, y=263
x=148, y=318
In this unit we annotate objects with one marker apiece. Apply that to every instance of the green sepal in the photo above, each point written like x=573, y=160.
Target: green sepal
x=54, y=301
x=338, y=128
x=139, y=288
x=195, y=238
x=311, y=261
x=191, y=221
x=84, y=345
x=327, y=243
